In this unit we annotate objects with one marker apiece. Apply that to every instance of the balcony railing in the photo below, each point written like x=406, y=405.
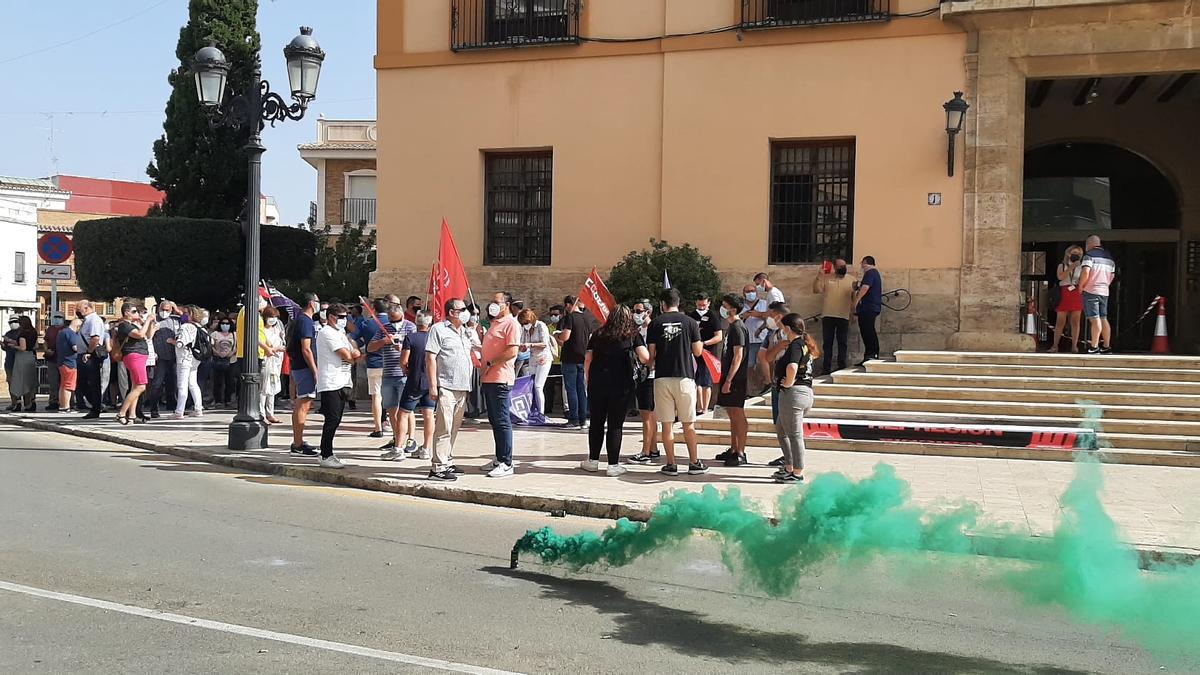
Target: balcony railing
x=358, y=209
x=491, y=24
x=780, y=13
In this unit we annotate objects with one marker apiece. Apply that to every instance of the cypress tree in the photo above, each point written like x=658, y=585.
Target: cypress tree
x=201, y=169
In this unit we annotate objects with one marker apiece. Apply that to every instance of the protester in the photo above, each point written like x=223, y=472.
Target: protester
x=130, y=342
x=1099, y=270
x=10, y=354
x=301, y=335
x=272, y=363
x=95, y=335
x=476, y=405
x=1070, y=298
x=224, y=346
x=793, y=381
x=335, y=357
x=415, y=395
x=50, y=355
x=642, y=315
x=734, y=379
x=575, y=331
x=367, y=330
x=765, y=290
x=449, y=367
x=193, y=348
x=837, y=304
x=411, y=306
x=537, y=341
x=868, y=303
x=555, y=390
x=712, y=334
x=23, y=383
x=753, y=318
x=162, y=376
x=675, y=344
x=388, y=343
x=499, y=352
x=611, y=379
x=68, y=345
x=773, y=344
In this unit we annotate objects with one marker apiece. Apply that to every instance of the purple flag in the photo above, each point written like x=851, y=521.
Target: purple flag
x=522, y=404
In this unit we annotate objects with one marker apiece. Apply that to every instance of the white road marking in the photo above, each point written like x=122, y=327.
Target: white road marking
x=235, y=629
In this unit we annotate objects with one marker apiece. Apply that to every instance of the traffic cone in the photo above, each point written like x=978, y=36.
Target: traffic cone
x=1160, y=345
x=1031, y=328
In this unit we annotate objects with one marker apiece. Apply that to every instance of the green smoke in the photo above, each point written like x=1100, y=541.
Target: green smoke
x=1082, y=567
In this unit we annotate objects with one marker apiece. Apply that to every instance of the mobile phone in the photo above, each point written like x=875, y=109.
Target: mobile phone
x=827, y=267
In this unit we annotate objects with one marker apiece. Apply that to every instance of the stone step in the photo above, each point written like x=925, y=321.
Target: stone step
x=1180, y=404
x=1045, y=359
x=1113, y=372
x=1107, y=412
x=1116, y=456
x=1085, y=389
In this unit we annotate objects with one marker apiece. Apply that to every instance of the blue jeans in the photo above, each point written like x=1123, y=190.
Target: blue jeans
x=577, y=399
x=496, y=396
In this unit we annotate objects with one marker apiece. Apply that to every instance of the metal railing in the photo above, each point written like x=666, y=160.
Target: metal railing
x=490, y=24
x=780, y=13
x=358, y=209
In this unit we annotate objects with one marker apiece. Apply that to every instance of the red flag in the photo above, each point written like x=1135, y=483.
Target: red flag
x=714, y=365
x=595, y=296
x=449, y=278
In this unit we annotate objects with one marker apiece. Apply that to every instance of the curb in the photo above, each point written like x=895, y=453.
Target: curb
x=1148, y=556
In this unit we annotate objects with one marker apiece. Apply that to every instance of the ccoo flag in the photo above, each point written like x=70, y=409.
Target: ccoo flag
x=449, y=278
x=596, y=297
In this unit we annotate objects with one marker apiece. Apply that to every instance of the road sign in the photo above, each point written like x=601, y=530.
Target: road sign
x=54, y=272
x=54, y=248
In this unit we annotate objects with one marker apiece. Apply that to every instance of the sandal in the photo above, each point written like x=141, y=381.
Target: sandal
x=123, y=420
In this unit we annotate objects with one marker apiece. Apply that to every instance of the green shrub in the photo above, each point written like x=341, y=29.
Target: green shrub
x=640, y=273
x=188, y=260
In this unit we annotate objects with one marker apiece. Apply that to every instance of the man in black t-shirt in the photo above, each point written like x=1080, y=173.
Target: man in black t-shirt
x=734, y=376
x=675, y=344
x=712, y=334
x=575, y=331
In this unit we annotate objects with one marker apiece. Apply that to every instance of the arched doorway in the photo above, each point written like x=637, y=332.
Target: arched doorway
x=1076, y=188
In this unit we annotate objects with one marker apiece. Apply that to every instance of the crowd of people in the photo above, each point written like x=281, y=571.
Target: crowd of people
x=648, y=358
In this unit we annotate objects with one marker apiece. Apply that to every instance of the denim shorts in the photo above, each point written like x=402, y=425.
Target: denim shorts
x=392, y=388
x=306, y=384
x=1095, y=306
x=413, y=400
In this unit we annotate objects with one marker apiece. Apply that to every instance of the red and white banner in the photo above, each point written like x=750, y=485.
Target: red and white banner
x=713, y=364
x=595, y=296
x=448, y=278
x=1058, y=438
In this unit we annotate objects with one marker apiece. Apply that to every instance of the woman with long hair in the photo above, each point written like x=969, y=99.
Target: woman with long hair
x=135, y=329
x=793, y=382
x=608, y=370
x=535, y=340
x=23, y=385
x=1070, y=299
x=187, y=366
x=272, y=362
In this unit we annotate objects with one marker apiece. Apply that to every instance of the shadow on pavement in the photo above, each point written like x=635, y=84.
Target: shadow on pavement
x=643, y=623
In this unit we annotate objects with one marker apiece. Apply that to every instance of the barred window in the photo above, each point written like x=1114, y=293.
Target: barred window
x=483, y=24
x=519, y=194
x=812, y=201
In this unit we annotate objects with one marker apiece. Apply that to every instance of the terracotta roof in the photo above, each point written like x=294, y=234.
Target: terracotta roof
x=338, y=145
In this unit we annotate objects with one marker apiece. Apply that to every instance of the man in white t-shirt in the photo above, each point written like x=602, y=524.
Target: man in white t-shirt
x=335, y=357
x=759, y=297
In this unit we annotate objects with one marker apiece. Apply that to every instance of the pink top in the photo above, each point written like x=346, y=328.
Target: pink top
x=502, y=334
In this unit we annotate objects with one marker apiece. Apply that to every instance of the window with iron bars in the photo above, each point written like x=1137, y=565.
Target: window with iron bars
x=779, y=13
x=812, y=201
x=484, y=24
x=519, y=192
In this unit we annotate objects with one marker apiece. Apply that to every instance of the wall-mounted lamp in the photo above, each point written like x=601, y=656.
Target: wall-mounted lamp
x=956, y=117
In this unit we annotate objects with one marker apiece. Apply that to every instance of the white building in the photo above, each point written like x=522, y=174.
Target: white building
x=18, y=260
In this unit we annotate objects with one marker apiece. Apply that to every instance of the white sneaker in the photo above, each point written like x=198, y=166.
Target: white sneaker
x=420, y=453
x=177, y=416
x=590, y=465
x=501, y=471
x=616, y=470
x=195, y=413
x=332, y=462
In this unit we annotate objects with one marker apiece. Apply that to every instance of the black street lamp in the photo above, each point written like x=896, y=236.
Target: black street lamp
x=956, y=116
x=252, y=110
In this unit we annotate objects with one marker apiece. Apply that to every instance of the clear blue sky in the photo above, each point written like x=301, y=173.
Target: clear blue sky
x=123, y=70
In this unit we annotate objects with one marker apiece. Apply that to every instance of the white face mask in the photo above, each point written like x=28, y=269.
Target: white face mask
x=526, y=326
x=724, y=312
x=760, y=288
x=702, y=312
x=494, y=310
x=464, y=316
x=204, y=318
x=224, y=328
x=771, y=325
x=341, y=324
x=163, y=316
x=751, y=296
x=639, y=318
x=272, y=320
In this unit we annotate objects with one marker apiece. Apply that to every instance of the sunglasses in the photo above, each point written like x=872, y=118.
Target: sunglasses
x=340, y=316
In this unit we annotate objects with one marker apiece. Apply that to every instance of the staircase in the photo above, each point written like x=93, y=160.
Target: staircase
x=1149, y=405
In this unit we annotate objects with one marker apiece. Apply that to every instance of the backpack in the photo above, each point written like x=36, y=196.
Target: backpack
x=202, y=346
x=639, y=371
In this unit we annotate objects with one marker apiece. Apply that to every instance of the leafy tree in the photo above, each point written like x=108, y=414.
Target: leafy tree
x=203, y=170
x=640, y=273
x=343, y=266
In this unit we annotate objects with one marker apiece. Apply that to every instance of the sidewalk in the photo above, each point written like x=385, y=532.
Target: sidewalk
x=1157, y=508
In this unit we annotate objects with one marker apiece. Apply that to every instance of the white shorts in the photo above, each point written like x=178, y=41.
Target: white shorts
x=375, y=382
x=675, y=397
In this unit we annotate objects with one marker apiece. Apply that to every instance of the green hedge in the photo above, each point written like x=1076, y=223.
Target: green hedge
x=640, y=273
x=188, y=260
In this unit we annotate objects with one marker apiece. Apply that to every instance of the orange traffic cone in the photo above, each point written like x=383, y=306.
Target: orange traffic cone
x=1031, y=321
x=1160, y=345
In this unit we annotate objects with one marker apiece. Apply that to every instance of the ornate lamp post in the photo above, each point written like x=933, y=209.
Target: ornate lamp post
x=252, y=109
x=956, y=115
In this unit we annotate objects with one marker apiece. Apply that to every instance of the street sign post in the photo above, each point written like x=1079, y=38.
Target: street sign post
x=54, y=272
x=54, y=248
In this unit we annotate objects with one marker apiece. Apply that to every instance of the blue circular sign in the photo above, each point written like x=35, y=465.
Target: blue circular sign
x=54, y=248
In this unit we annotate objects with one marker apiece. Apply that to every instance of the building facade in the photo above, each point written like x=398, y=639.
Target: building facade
x=344, y=157
x=18, y=266
x=774, y=134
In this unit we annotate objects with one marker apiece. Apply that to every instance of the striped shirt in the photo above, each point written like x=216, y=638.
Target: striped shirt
x=1103, y=270
x=391, y=355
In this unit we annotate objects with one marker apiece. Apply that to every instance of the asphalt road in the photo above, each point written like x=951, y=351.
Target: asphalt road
x=114, y=560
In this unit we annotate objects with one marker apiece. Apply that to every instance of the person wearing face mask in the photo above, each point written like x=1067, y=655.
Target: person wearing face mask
x=50, y=355
x=554, y=380
x=868, y=303
x=448, y=364
x=23, y=384
x=537, y=342
x=387, y=344
x=10, y=355
x=574, y=332
x=224, y=345
x=734, y=380
x=837, y=304
x=368, y=329
x=415, y=395
x=336, y=355
x=412, y=305
x=793, y=382
x=712, y=334
x=301, y=349
x=754, y=321
x=68, y=345
x=643, y=313
x=193, y=348
x=95, y=334
x=476, y=405
x=135, y=329
x=162, y=376
x=674, y=341
x=272, y=363
x=499, y=352
x=1070, y=300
